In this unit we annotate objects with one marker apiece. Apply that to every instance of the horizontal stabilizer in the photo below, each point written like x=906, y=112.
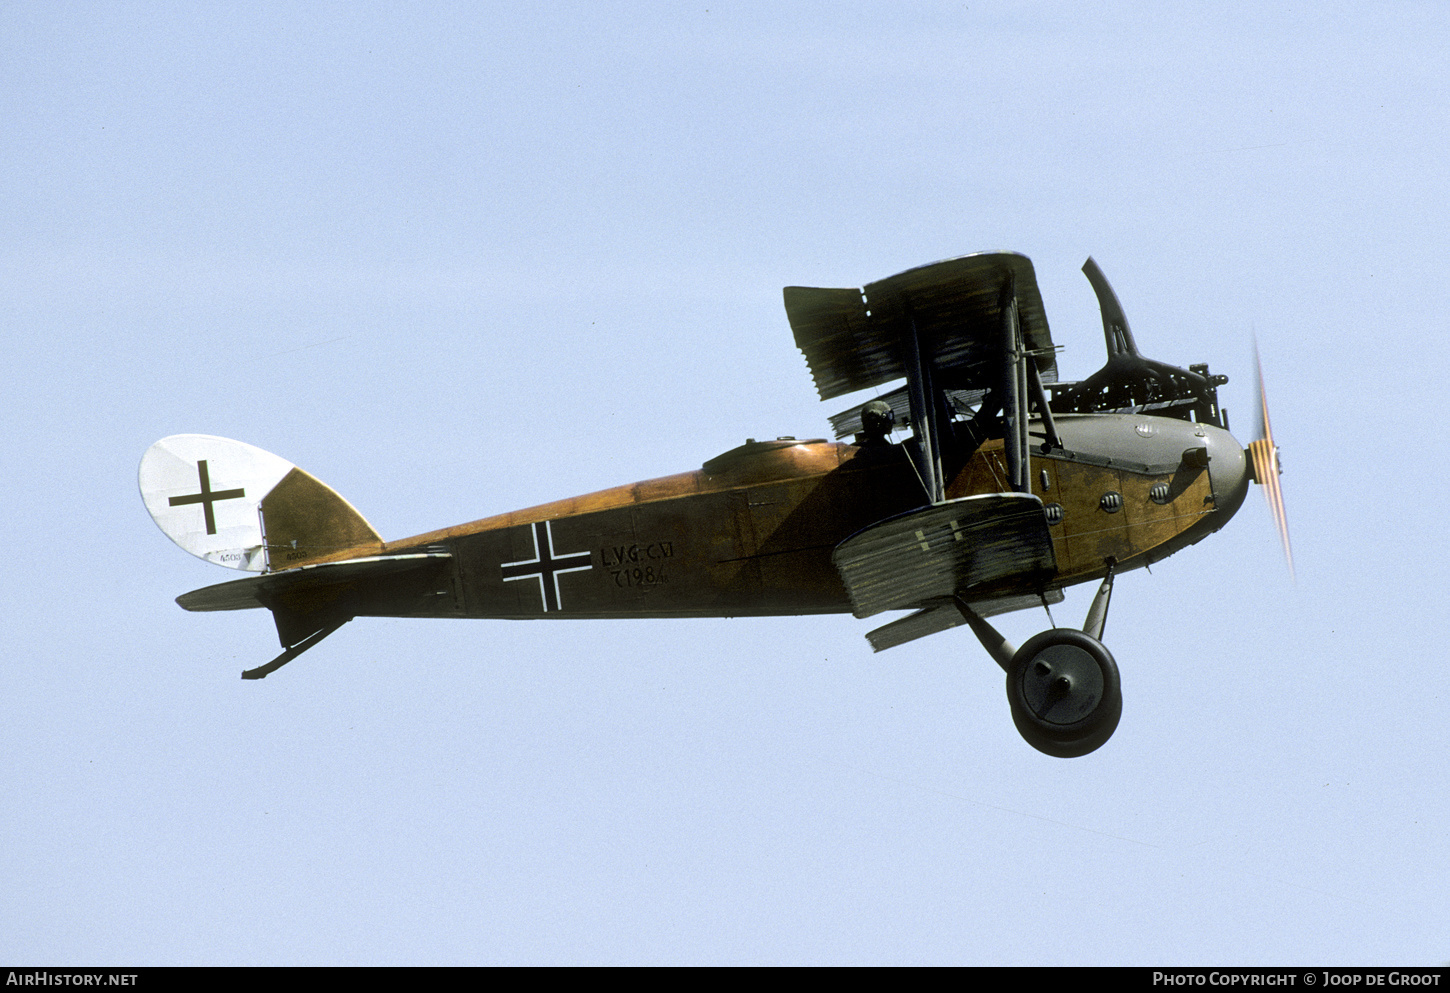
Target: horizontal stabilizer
x=947, y=615
x=944, y=550
x=281, y=587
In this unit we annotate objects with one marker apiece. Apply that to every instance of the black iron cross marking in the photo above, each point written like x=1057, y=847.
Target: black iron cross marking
x=206, y=497
x=546, y=566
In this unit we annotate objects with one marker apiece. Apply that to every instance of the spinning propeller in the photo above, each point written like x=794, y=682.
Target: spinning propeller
x=1264, y=460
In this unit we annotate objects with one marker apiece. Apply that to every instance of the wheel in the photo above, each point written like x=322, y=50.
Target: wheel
x=1065, y=694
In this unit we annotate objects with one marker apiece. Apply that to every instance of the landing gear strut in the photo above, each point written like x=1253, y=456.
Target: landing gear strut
x=1062, y=685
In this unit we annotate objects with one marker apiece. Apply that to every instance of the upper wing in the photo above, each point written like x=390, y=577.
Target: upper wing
x=856, y=339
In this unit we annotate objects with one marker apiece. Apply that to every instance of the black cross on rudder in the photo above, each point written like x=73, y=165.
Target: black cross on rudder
x=206, y=497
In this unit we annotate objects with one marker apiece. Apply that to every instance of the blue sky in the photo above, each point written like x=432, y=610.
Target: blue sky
x=464, y=259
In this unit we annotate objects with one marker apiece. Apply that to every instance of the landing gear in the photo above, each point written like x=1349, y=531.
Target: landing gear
x=1062, y=685
x=1065, y=693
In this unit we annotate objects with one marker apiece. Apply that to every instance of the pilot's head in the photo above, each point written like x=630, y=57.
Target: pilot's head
x=877, y=419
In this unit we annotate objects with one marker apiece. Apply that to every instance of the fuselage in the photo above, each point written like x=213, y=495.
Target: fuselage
x=752, y=531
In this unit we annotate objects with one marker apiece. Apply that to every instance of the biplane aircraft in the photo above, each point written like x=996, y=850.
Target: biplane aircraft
x=1009, y=487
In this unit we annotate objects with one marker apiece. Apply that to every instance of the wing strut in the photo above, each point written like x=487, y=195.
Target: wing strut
x=924, y=415
x=1014, y=390
x=1039, y=395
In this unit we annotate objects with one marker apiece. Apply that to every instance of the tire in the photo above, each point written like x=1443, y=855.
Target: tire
x=1065, y=693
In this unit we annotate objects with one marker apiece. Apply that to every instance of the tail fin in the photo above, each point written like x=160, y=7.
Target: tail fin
x=238, y=506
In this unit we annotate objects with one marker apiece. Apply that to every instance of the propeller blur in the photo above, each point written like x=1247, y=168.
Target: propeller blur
x=1267, y=467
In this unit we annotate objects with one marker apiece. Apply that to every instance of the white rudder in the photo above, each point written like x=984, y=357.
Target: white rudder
x=236, y=505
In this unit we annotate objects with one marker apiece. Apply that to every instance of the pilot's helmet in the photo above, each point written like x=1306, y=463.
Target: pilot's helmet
x=877, y=419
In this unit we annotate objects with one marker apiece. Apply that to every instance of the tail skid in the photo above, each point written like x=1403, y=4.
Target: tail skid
x=262, y=671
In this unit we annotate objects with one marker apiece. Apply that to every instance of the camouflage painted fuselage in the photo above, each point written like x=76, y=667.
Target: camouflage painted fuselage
x=752, y=532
